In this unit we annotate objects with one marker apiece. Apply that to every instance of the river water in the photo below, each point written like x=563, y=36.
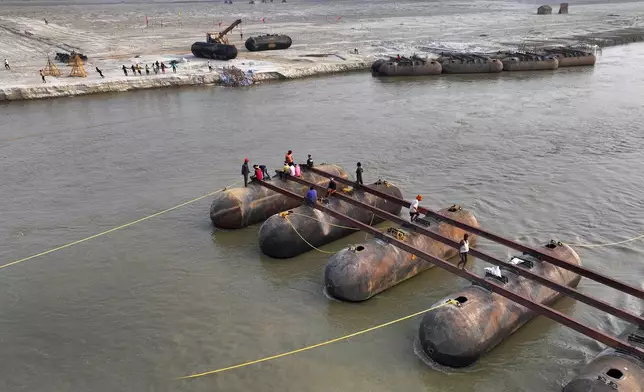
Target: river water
x=535, y=156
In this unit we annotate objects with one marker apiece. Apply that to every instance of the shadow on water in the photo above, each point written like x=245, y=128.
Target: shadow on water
x=233, y=239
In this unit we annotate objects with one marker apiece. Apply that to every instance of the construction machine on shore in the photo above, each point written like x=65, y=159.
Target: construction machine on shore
x=216, y=46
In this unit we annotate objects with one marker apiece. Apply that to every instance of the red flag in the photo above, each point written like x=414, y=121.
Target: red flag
x=263, y=19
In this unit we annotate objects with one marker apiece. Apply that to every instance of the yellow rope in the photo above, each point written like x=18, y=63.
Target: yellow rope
x=299, y=350
x=608, y=244
x=113, y=229
x=304, y=239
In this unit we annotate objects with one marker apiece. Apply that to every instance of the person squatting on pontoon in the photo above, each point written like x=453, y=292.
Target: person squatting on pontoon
x=265, y=172
x=311, y=196
x=331, y=188
x=259, y=175
x=285, y=171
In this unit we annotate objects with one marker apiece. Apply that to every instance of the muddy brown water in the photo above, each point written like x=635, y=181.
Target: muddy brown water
x=535, y=156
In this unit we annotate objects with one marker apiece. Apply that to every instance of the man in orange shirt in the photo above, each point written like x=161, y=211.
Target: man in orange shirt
x=289, y=157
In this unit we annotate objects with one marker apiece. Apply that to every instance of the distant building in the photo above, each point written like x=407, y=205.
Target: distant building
x=563, y=8
x=544, y=10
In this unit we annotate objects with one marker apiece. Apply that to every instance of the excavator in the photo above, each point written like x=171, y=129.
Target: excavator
x=216, y=46
x=220, y=37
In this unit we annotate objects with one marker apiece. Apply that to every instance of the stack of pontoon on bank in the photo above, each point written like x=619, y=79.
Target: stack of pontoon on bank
x=479, y=317
x=545, y=58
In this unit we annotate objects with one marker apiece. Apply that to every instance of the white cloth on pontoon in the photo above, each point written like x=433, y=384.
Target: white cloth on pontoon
x=496, y=271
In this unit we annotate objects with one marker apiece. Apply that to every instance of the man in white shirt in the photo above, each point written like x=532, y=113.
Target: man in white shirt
x=462, y=251
x=413, y=208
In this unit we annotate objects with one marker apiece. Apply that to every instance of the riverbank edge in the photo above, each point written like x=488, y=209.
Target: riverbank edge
x=32, y=92
x=284, y=72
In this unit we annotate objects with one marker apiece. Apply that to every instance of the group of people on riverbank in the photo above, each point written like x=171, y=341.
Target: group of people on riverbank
x=156, y=67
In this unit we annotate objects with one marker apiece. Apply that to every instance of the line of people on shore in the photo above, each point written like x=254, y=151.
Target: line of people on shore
x=156, y=68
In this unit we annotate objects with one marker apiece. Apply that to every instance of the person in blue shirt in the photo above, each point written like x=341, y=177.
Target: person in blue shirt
x=311, y=196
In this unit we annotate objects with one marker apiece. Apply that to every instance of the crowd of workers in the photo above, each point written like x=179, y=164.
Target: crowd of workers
x=293, y=169
x=156, y=67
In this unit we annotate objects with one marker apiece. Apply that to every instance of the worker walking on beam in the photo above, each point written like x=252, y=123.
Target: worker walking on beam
x=413, y=208
x=463, y=250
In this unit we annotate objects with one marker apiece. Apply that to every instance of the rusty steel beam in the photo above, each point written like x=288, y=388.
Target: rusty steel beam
x=592, y=275
x=492, y=286
x=569, y=291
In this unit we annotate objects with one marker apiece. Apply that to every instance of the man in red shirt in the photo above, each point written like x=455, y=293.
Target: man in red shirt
x=258, y=173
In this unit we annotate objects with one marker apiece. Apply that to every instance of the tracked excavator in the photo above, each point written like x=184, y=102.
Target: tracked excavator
x=216, y=46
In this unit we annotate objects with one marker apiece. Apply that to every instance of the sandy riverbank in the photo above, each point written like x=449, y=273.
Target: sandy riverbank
x=113, y=35
x=190, y=72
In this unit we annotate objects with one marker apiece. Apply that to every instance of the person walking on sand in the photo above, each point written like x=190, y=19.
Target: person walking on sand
x=124, y=69
x=138, y=68
x=162, y=68
x=147, y=70
x=6, y=65
x=209, y=66
x=462, y=251
x=174, y=67
x=157, y=63
x=101, y=72
x=42, y=76
x=133, y=70
x=155, y=69
x=245, y=171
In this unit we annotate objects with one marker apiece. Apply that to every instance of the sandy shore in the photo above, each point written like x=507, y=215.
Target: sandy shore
x=116, y=35
x=190, y=72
